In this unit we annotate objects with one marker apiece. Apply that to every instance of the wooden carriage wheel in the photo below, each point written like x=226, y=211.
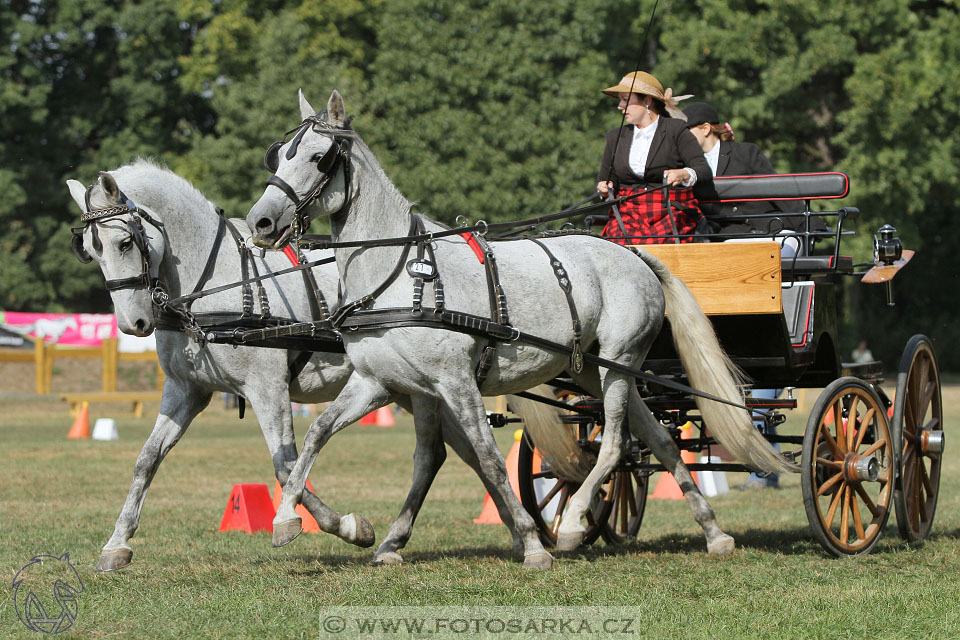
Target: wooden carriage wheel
x=848, y=467
x=918, y=430
x=545, y=495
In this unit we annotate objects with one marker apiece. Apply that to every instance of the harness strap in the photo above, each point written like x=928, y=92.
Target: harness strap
x=349, y=308
x=498, y=307
x=211, y=265
x=576, y=356
x=297, y=364
x=245, y=254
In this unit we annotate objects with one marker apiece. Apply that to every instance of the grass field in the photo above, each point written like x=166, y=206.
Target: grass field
x=187, y=580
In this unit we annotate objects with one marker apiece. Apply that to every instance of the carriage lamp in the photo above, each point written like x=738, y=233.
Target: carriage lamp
x=887, y=248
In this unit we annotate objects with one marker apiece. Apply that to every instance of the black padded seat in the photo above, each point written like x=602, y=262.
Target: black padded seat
x=784, y=186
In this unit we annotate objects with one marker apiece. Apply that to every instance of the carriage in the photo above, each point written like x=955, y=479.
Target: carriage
x=776, y=317
x=862, y=453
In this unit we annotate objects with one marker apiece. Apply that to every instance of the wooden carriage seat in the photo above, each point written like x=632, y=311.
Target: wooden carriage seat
x=727, y=278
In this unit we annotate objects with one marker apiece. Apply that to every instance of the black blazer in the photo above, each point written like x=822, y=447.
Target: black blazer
x=744, y=159
x=672, y=147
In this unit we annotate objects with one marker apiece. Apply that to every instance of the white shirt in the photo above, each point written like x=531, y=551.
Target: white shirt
x=713, y=158
x=642, y=138
x=640, y=149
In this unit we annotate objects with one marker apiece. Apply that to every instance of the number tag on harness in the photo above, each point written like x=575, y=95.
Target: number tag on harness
x=420, y=268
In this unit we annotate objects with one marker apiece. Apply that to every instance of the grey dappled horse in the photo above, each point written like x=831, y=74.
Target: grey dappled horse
x=620, y=300
x=177, y=256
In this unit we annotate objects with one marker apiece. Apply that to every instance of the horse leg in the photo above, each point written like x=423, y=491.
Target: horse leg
x=272, y=407
x=646, y=427
x=359, y=397
x=180, y=404
x=615, y=389
x=465, y=405
x=428, y=457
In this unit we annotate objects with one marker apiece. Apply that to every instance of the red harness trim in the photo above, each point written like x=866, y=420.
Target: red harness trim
x=472, y=242
x=291, y=255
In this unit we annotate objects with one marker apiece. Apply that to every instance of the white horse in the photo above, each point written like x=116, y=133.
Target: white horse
x=177, y=256
x=619, y=298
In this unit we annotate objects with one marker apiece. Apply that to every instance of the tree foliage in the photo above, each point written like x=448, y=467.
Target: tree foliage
x=491, y=110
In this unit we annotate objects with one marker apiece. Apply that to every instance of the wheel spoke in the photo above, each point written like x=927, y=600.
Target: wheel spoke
x=826, y=486
x=832, y=511
x=838, y=424
x=874, y=447
x=864, y=427
x=547, y=498
x=564, y=498
x=549, y=473
x=925, y=479
x=845, y=515
x=828, y=438
x=833, y=464
x=857, y=521
x=867, y=501
x=851, y=427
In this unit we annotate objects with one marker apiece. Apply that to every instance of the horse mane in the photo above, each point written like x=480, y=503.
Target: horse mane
x=155, y=180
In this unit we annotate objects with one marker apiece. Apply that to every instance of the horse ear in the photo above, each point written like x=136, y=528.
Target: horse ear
x=335, y=110
x=109, y=185
x=77, y=191
x=306, y=110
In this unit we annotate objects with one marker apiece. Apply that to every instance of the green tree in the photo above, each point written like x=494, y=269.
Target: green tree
x=493, y=110
x=88, y=85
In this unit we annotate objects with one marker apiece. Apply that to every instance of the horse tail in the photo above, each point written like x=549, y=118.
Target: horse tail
x=709, y=369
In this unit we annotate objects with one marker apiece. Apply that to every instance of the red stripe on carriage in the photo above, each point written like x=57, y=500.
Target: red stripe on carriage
x=291, y=255
x=473, y=245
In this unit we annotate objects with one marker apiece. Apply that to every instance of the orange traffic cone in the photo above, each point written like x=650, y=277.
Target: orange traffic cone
x=81, y=425
x=490, y=514
x=384, y=417
x=667, y=487
x=309, y=523
x=369, y=420
x=248, y=509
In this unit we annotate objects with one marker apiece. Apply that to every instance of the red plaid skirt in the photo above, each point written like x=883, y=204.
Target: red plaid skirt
x=647, y=216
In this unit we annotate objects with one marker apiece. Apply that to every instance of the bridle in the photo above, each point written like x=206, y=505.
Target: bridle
x=93, y=217
x=337, y=155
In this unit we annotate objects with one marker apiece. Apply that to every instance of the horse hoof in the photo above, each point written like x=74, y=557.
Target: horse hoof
x=387, y=558
x=286, y=532
x=356, y=529
x=722, y=546
x=114, y=559
x=540, y=560
x=569, y=541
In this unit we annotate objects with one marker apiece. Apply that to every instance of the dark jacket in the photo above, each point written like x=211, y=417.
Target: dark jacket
x=746, y=159
x=672, y=147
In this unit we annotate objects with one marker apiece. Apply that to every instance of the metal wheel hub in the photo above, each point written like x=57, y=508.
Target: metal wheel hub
x=857, y=468
x=931, y=441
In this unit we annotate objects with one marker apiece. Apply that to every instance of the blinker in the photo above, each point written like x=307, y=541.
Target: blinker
x=76, y=244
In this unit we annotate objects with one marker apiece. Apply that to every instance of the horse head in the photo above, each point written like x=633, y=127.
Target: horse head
x=310, y=174
x=128, y=251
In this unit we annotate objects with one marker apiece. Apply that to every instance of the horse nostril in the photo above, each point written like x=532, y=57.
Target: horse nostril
x=264, y=224
x=141, y=325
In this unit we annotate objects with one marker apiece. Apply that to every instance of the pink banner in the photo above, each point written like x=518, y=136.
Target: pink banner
x=68, y=329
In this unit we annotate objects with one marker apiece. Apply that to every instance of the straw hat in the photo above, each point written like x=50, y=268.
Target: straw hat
x=643, y=83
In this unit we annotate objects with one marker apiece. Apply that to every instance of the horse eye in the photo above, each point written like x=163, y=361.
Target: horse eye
x=126, y=244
